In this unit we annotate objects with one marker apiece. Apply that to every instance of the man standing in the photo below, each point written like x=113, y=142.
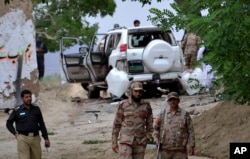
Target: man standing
x=28, y=121
x=173, y=130
x=41, y=49
x=133, y=124
x=137, y=23
x=190, y=47
x=116, y=26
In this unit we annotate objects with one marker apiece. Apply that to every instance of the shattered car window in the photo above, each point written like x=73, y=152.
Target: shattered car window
x=139, y=40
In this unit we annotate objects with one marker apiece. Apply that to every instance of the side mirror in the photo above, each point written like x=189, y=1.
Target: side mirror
x=84, y=50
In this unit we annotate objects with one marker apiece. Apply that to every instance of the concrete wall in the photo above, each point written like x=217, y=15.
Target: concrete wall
x=17, y=39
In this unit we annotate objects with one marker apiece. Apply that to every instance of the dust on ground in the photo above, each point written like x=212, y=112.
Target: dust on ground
x=81, y=129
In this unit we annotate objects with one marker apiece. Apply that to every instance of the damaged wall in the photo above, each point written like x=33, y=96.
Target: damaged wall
x=17, y=40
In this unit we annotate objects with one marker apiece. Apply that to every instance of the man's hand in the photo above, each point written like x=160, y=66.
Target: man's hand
x=47, y=143
x=115, y=148
x=16, y=135
x=191, y=151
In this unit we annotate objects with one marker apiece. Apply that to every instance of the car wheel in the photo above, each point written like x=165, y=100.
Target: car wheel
x=95, y=93
x=157, y=94
x=147, y=94
x=149, y=91
x=85, y=86
x=158, y=56
x=176, y=87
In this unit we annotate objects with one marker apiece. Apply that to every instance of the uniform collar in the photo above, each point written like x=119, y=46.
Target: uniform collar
x=178, y=110
x=23, y=107
x=131, y=102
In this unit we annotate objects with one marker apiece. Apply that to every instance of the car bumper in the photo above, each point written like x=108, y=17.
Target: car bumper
x=172, y=76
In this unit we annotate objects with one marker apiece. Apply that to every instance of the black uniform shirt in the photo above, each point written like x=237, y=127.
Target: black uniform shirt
x=27, y=120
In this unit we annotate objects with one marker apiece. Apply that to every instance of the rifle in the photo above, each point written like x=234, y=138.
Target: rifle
x=158, y=149
x=161, y=132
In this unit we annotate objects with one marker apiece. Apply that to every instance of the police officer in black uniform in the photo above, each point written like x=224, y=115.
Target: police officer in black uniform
x=41, y=49
x=29, y=121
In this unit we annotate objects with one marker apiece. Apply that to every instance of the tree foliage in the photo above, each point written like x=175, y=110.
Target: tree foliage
x=57, y=18
x=224, y=30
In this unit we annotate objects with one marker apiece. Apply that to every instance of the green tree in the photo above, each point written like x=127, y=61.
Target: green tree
x=225, y=32
x=55, y=18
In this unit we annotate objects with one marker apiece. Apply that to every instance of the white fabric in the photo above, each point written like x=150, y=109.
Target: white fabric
x=200, y=53
x=206, y=68
x=208, y=76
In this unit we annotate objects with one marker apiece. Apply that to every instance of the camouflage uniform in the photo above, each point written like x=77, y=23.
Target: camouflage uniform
x=190, y=47
x=134, y=126
x=177, y=131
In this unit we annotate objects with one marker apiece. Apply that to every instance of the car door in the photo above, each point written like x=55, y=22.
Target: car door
x=97, y=60
x=72, y=60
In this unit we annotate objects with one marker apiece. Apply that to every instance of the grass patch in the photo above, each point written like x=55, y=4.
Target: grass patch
x=94, y=141
x=51, y=133
x=60, y=143
x=103, y=133
x=50, y=81
x=212, y=145
x=53, y=83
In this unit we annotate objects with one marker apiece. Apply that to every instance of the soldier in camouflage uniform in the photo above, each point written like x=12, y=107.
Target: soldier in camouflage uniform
x=190, y=47
x=173, y=130
x=133, y=124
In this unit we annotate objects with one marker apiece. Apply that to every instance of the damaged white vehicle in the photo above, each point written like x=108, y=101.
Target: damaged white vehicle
x=122, y=55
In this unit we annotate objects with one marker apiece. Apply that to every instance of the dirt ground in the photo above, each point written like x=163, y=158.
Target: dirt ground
x=82, y=130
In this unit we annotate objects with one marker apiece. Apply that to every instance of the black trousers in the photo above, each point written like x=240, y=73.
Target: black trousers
x=40, y=65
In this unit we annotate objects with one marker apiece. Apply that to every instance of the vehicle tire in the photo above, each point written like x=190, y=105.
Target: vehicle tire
x=147, y=94
x=85, y=86
x=157, y=94
x=149, y=91
x=176, y=87
x=95, y=93
x=158, y=56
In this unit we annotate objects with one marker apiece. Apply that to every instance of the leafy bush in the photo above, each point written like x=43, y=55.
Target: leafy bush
x=225, y=32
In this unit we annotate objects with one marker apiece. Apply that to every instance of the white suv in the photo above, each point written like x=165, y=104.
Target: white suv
x=145, y=53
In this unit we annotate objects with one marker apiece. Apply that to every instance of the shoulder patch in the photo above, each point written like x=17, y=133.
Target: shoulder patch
x=17, y=107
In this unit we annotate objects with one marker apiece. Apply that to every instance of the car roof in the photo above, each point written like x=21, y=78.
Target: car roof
x=136, y=29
